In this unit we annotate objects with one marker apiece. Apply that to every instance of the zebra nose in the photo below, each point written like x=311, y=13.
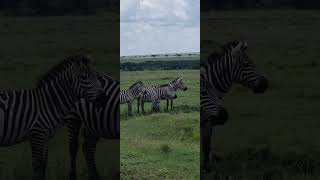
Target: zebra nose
x=262, y=85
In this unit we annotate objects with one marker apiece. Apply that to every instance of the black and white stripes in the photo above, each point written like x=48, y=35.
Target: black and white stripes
x=154, y=94
x=176, y=84
x=97, y=120
x=128, y=96
x=218, y=73
x=35, y=114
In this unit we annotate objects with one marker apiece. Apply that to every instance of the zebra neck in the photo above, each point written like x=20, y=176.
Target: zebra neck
x=175, y=87
x=221, y=76
x=134, y=92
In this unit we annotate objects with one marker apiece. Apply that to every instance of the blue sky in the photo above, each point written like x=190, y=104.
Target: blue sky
x=159, y=26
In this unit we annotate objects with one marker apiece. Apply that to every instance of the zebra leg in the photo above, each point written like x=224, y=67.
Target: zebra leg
x=73, y=130
x=167, y=104
x=206, y=141
x=142, y=107
x=171, y=101
x=130, y=108
x=89, y=148
x=138, y=104
x=39, y=148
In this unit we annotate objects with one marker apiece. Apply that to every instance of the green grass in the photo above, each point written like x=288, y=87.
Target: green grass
x=163, y=145
x=284, y=122
x=29, y=47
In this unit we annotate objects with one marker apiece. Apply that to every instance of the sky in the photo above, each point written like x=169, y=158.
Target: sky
x=159, y=26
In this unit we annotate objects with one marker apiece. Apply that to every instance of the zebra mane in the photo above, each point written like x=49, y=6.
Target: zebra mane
x=104, y=79
x=62, y=66
x=213, y=58
x=231, y=45
x=174, y=80
x=226, y=49
x=135, y=84
x=163, y=85
x=105, y=76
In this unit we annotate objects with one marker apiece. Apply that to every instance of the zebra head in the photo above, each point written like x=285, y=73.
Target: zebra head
x=244, y=70
x=178, y=84
x=86, y=83
x=138, y=88
x=211, y=110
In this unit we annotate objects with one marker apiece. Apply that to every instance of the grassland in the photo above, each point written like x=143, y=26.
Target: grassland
x=29, y=47
x=274, y=135
x=183, y=57
x=163, y=145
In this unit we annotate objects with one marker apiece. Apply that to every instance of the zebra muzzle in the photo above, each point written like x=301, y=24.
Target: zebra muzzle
x=221, y=117
x=261, y=85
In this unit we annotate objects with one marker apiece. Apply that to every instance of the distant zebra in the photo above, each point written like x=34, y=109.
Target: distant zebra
x=98, y=121
x=154, y=94
x=234, y=65
x=35, y=114
x=176, y=84
x=128, y=96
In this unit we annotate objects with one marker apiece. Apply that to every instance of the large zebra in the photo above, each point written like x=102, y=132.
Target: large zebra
x=98, y=121
x=154, y=94
x=233, y=66
x=128, y=96
x=176, y=84
x=35, y=114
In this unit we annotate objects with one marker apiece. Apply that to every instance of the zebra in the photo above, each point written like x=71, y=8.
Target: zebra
x=176, y=84
x=154, y=94
x=35, y=114
x=99, y=121
x=212, y=114
x=233, y=66
x=128, y=96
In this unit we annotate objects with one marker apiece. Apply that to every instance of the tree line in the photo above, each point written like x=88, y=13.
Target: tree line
x=160, y=65
x=242, y=4
x=54, y=7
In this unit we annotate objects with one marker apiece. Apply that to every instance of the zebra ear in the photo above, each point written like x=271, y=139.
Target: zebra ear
x=238, y=47
x=245, y=45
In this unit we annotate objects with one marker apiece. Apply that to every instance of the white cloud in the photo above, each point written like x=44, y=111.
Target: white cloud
x=159, y=26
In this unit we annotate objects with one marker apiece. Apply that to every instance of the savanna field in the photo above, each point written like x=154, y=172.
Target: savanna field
x=273, y=135
x=162, y=145
x=32, y=45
